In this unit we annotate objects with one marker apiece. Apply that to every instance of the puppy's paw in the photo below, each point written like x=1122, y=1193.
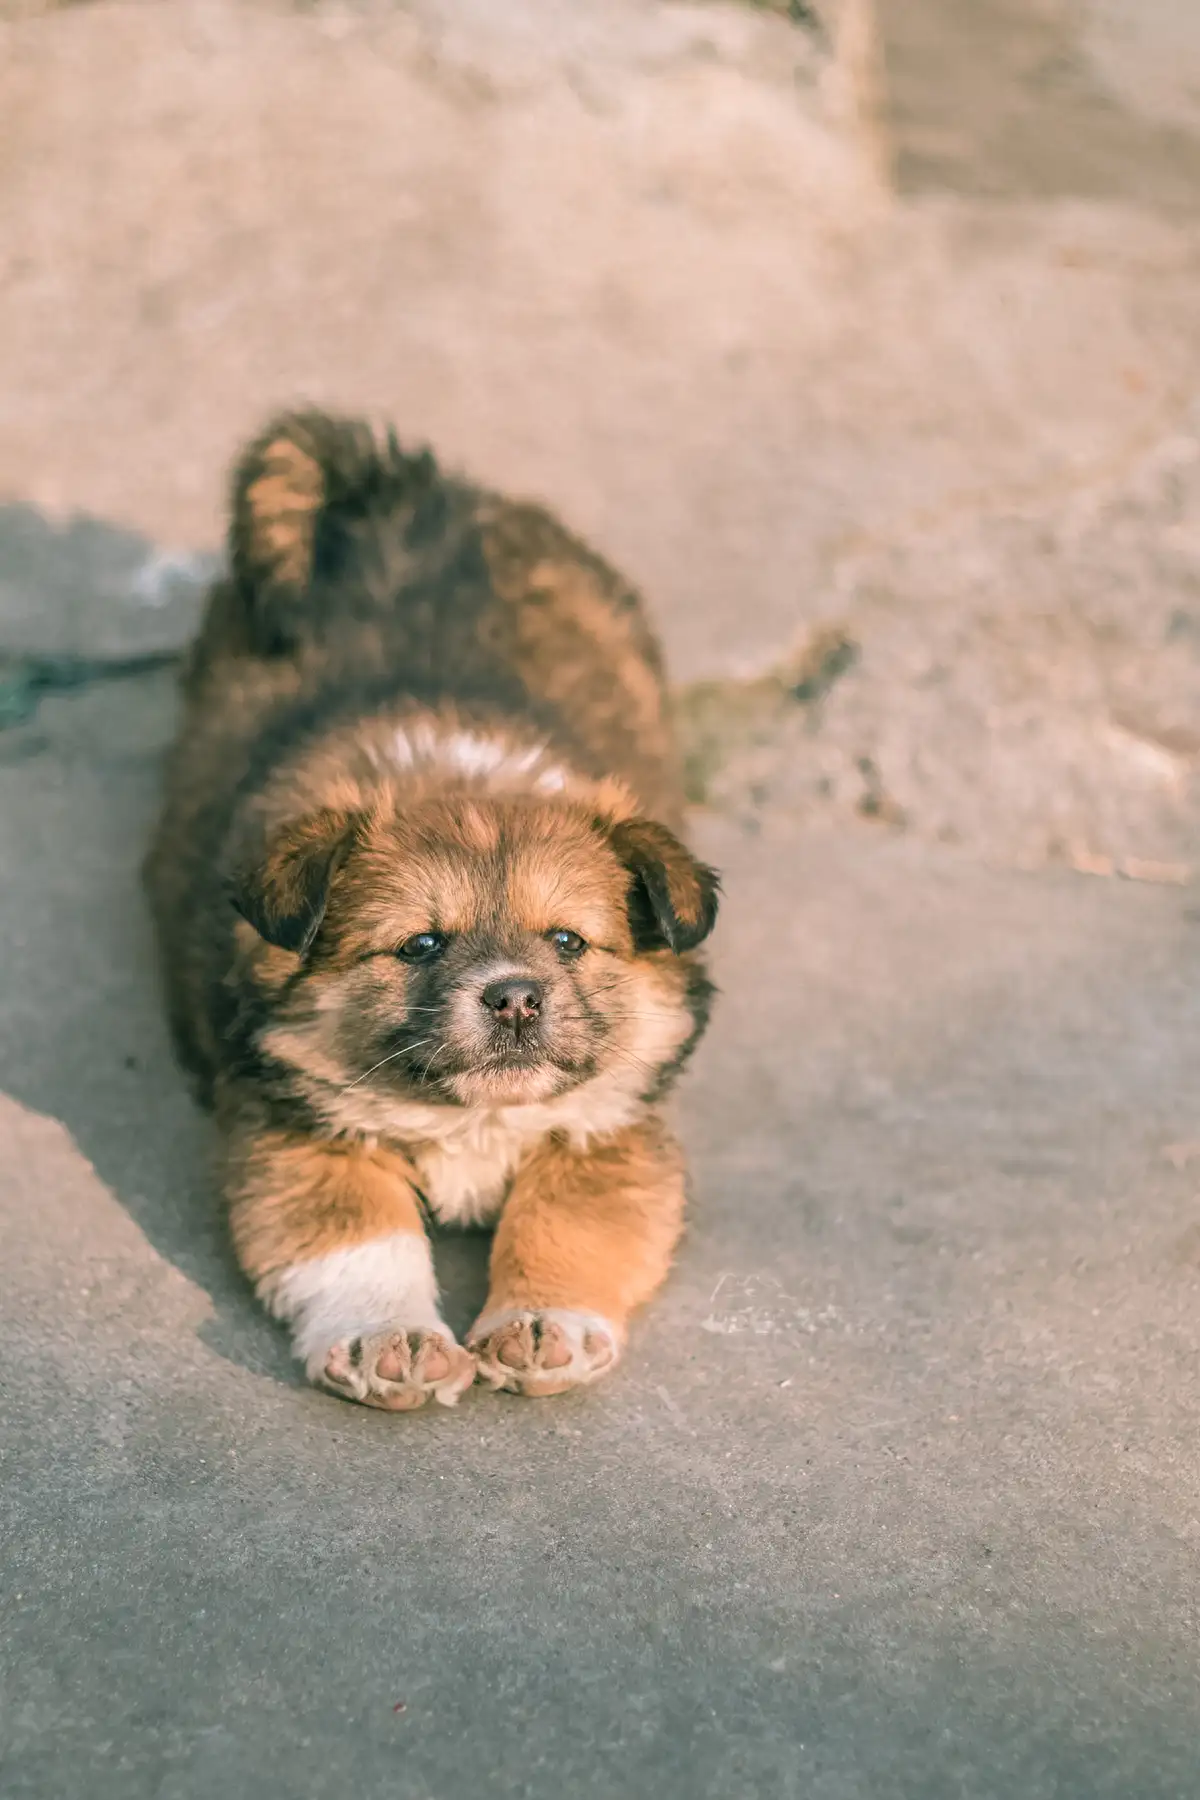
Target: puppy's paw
x=397, y=1369
x=543, y=1351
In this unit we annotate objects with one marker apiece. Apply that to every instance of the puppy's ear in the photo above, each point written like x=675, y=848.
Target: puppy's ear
x=282, y=885
x=672, y=896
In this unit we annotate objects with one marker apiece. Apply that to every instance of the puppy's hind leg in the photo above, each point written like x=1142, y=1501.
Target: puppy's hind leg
x=332, y=1237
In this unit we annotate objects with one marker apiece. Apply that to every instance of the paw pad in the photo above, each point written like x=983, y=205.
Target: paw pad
x=543, y=1351
x=398, y=1369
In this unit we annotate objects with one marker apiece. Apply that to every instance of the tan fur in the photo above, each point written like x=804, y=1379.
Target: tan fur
x=591, y=1230
x=295, y=1198
x=420, y=715
x=571, y=625
x=282, y=500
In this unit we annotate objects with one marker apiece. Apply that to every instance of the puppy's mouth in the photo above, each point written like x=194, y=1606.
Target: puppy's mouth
x=526, y=1069
x=501, y=1057
x=512, y=1073
x=507, y=1081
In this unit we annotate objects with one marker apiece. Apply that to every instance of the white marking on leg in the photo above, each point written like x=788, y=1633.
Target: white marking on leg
x=354, y=1293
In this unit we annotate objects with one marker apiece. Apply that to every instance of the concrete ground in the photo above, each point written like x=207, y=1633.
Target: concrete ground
x=896, y=1491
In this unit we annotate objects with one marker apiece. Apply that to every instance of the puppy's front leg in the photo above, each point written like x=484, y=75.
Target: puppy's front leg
x=332, y=1238
x=585, y=1236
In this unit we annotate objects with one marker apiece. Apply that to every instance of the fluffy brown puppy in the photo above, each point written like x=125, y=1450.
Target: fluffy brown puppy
x=427, y=932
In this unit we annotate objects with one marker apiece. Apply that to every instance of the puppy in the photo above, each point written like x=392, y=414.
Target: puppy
x=427, y=931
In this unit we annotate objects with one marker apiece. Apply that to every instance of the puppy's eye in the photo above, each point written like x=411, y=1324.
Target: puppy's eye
x=567, y=943
x=423, y=947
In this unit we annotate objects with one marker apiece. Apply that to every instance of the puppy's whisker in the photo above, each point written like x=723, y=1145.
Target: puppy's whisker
x=404, y=1050
x=634, y=1062
x=424, y=1074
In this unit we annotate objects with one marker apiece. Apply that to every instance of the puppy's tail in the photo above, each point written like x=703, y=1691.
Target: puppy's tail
x=296, y=490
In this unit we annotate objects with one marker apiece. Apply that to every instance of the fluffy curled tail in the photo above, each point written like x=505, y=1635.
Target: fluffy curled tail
x=297, y=489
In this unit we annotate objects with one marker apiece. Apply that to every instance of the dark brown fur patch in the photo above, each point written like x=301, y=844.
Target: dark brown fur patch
x=281, y=887
x=674, y=900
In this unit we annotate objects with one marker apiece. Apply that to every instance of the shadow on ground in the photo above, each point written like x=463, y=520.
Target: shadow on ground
x=86, y=605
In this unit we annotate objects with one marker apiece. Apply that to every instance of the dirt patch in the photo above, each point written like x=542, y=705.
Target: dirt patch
x=1045, y=98
x=1045, y=710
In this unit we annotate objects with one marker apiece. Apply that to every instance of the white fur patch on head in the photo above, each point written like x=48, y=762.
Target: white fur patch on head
x=470, y=755
x=388, y=1281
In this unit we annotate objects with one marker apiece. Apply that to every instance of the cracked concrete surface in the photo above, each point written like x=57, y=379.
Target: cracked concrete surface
x=896, y=1491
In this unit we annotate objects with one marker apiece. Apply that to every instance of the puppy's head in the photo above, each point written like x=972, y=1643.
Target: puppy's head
x=477, y=951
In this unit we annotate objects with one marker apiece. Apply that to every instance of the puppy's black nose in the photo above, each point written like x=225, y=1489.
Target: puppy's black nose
x=514, y=1001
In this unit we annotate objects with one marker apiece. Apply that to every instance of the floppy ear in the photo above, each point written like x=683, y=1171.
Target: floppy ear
x=672, y=896
x=282, y=886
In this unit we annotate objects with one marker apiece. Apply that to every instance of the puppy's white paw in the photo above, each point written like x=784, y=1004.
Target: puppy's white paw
x=397, y=1368
x=545, y=1350
x=365, y=1323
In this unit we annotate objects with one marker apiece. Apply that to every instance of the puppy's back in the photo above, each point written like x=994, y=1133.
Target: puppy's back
x=362, y=575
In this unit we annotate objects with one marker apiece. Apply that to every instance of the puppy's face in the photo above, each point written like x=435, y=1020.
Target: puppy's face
x=478, y=952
